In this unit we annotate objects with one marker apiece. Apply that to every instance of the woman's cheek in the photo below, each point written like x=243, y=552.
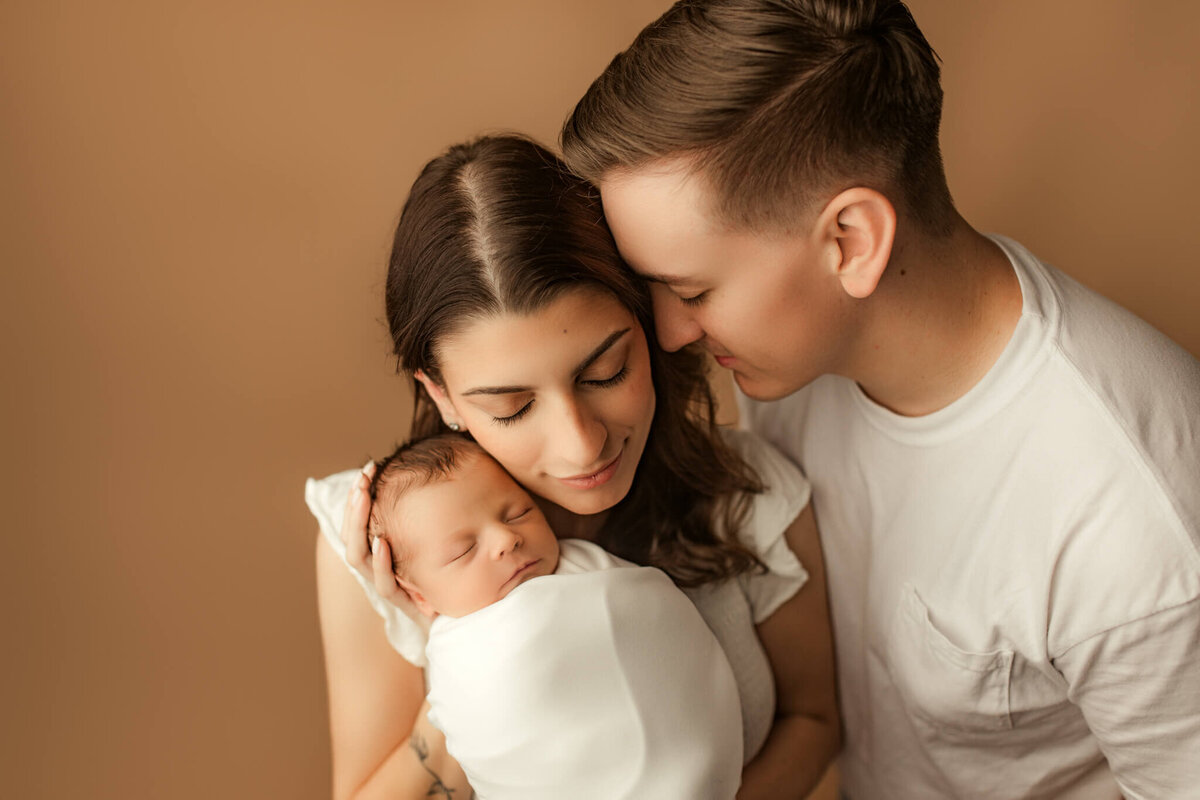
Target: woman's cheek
x=515, y=449
x=642, y=399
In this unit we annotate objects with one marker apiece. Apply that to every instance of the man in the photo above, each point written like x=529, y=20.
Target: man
x=1005, y=466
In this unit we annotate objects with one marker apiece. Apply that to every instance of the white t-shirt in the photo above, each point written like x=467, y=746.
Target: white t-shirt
x=731, y=608
x=598, y=682
x=1014, y=579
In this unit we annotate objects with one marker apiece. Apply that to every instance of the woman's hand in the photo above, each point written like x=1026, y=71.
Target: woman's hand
x=372, y=558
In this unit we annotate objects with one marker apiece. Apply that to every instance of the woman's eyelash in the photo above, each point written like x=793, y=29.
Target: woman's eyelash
x=601, y=383
x=511, y=418
x=694, y=300
x=604, y=383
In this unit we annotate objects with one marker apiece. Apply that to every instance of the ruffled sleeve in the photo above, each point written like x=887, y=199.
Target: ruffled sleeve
x=326, y=499
x=771, y=512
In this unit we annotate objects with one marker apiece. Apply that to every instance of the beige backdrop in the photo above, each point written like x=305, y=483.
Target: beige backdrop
x=195, y=208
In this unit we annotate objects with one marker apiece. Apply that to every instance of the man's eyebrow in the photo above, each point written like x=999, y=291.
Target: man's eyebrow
x=591, y=357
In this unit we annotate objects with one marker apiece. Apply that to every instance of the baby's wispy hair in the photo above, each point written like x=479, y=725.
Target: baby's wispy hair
x=411, y=465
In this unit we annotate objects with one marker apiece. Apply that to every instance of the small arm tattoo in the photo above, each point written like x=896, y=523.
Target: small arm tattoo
x=438, y=788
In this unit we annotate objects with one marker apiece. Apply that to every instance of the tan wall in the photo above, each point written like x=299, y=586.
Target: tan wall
x=195, y=204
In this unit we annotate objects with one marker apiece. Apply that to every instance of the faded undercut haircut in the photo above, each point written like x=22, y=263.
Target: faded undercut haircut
x=778, y=105
x=410, y=466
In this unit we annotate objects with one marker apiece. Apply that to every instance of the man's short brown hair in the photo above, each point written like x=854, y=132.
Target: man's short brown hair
x=778, y=104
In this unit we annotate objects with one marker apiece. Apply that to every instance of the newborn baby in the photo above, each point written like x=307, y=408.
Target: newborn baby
x=555, y=669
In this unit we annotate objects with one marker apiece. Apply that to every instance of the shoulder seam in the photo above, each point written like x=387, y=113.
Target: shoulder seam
x=1144, y=464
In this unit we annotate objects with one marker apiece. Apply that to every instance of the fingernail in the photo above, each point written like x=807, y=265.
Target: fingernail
x=374, y=544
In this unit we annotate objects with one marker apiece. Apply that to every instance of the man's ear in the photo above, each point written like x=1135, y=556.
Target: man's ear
x=445, y=407
x=860, y=226
x=418, y=598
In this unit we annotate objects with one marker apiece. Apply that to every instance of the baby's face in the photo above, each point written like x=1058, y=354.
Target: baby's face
x=470, y=539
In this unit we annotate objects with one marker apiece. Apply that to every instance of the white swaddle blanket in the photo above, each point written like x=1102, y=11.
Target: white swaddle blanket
x=600, y=681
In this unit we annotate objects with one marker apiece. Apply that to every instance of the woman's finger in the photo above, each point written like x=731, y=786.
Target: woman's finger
x=390, y=589
x=354, y=522
x=381, y=566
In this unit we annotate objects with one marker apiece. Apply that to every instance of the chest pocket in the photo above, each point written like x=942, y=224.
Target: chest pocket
x=958, y=693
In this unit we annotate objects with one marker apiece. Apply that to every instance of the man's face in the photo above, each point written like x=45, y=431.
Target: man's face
x=769, y=307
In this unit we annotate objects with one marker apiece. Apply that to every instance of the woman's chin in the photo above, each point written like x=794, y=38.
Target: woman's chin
x=586, y=502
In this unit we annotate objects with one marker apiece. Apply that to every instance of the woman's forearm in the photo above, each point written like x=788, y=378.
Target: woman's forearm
x=799, y=644
x=419, y=767
x=383, y=744
x=793, y=759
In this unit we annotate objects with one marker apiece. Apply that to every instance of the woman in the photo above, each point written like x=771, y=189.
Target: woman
x=511, y=309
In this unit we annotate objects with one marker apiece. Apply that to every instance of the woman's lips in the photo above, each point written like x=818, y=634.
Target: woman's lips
x=725, y=361
x=599, y=478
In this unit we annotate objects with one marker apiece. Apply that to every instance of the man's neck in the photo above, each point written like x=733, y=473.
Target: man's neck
x=940, y=319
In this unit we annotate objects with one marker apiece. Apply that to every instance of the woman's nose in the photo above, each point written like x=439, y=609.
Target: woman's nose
x=581, y=438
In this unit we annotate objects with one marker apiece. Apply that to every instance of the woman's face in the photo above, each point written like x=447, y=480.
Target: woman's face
x=562, y=397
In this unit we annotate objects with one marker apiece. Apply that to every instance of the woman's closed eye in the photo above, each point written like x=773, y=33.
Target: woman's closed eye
x=611, y=380
x=511, y=418
x=594, y=383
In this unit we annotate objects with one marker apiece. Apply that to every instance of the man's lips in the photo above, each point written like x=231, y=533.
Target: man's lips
x=597, y=478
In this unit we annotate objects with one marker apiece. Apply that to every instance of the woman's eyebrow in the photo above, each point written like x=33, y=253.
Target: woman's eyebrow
x=601, y=350
x=604, y=346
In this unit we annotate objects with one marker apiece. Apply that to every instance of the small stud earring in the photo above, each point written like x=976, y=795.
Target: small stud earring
x=454, y=426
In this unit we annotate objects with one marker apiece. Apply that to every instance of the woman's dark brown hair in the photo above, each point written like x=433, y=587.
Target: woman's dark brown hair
x=779, y=104
x=499, y=226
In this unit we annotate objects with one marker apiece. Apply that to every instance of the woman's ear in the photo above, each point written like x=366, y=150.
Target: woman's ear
x=861, y=224
x=445, y=407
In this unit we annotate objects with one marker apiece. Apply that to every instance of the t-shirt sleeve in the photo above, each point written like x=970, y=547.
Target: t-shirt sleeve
x=786, y=493
x=326, y=499
x=1138, y=689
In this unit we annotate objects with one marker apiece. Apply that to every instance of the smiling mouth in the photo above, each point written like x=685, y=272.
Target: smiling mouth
x=597, y=478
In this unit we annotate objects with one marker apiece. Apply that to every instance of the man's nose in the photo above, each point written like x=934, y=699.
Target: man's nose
x=673, y=322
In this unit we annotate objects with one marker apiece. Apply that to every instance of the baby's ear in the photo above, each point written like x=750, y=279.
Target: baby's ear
x=416, y=596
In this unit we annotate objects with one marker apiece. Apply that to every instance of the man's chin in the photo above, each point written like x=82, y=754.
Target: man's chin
x=762, y=390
